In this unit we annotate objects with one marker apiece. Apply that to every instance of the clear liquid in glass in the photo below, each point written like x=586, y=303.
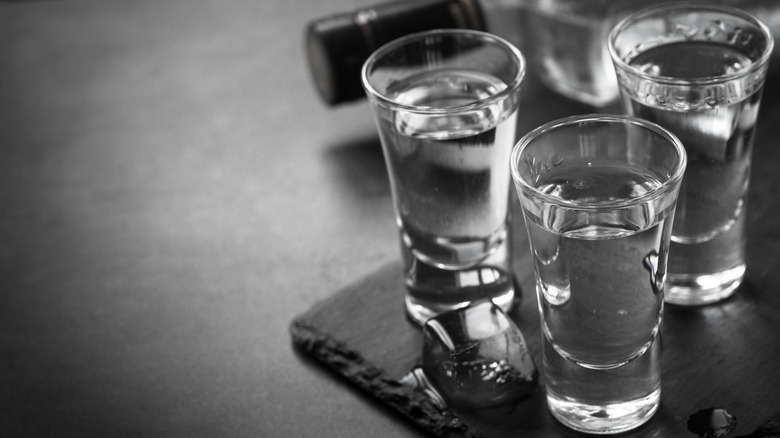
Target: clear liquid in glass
x=570, y=49
x=450, y=180
x=600, y=277
x=707, y=257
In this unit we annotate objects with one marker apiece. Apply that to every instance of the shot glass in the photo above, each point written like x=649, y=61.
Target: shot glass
x=699, y=71
x=445, y=104
x=598, y=194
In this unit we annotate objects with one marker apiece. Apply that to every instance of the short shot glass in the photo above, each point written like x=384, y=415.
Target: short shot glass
x=598, y=195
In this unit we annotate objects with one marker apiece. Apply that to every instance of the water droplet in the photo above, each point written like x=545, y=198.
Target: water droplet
x=417, y=379
x=533, y=166
x=712, y=423
x=650, y=263
x=556, y=296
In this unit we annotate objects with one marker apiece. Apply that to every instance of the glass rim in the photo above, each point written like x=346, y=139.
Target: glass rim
x=666, y=185
x=758, y=64
x=510, y=89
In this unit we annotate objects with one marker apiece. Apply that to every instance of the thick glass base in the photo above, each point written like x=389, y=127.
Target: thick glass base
x=604, y=419
x=434, y=288
x=420, y=311
x=697, y=290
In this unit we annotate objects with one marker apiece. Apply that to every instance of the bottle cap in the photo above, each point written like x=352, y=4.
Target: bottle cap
x=338, y=45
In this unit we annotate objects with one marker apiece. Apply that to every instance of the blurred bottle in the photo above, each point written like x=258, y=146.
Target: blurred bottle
x=569, y=51
x=338, y=45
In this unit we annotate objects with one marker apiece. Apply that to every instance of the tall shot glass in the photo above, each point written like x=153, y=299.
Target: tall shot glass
x=598, y=194
x=445, y=104
x=699, y=71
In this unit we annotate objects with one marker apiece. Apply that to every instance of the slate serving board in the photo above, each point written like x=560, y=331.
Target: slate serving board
x=725, y=355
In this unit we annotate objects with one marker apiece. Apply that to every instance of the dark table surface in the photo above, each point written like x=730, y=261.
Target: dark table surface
x=173, y=194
